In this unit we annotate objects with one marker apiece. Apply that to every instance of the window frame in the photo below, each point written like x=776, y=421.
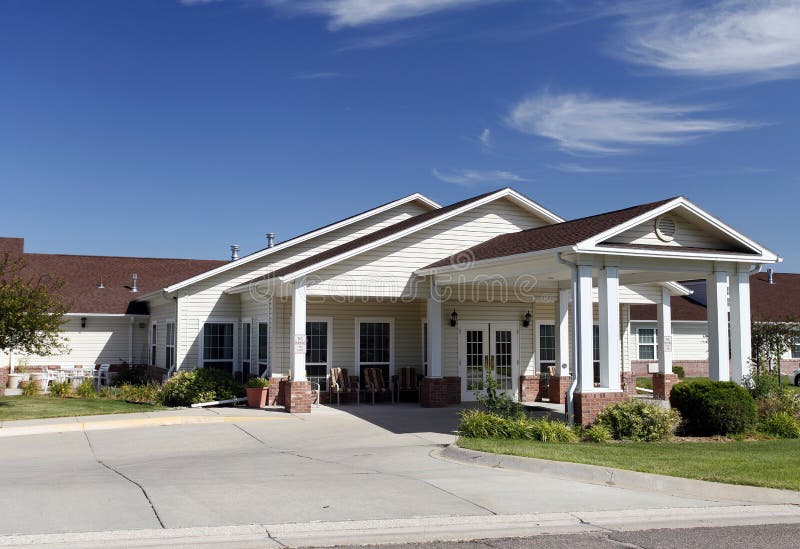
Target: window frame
x=246, y=348
x=328, y=350
x=153, y=358
x=234, y=323
x=639, y=343
x=170, y=343
x=374, y=320
x=539, y=362
x=795, y=349
x=267, y=361
x=424, y=339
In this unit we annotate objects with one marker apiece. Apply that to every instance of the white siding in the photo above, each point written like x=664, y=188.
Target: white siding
x=160, y=312
x=690, y=232
x=689, y=340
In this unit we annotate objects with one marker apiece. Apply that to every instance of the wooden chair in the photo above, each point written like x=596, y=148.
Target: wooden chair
x=407, y=380
x=340, y=382
x=373, y=384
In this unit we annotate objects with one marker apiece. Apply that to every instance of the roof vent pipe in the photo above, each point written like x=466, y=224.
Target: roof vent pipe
x=234, y=252
x=771, y=278
x=270, y=240
x=134, y=286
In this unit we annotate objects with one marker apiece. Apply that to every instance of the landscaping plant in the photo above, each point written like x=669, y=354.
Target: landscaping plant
x=257, y=383
x=147, y=393
x=596, y=433
x=86, y=389
x=679, y=371
x=202, y=385
x=499, y=403
x=638, y=420
x=781, y=425
x=59, y=388
x=713, y=408
x=29, y=388
x=481, y=424
x=131, y=375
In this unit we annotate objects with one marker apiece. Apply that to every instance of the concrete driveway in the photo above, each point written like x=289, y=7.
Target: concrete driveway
x=255, y=467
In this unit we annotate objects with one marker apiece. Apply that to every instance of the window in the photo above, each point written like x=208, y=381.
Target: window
x=218, y=346
x=263, y=349
x=153, y=339
x=169, y=355
x=796, y=349
x=647, y=343
x=246, y=350
x=317, y=353
x=596, y=353
x=547, y=347
x=425, y=347
x=374, y=347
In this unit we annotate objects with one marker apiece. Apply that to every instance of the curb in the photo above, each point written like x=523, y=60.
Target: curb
x=621, y=478
x=107, y=425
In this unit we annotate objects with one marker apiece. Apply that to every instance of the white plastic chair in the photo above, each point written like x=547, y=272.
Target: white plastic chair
x=67, y=372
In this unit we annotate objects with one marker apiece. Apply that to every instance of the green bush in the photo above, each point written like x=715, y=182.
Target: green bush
x=59, y=388
x=257, y=383
x=202, y=385
x=785, y=401
x=762, y=385
x=638, y=420
x=714, y=407
x=86, y=389
x=596, y=433
x=481, y=424
x=781, y=425
x=679, y=371
x=148, y=393
x=29, y=388
x=130, y=375
x=499, y=403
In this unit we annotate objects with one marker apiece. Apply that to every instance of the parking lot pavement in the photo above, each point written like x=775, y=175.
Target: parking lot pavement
x=354, y=463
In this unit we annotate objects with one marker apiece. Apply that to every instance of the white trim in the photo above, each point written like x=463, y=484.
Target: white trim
x=376, y=320
x=255, y=357
x=538, y=349
x=302, y=238
x=655, y=344
x=329, y=321
x=241, y=360
x=167, y=345
x=201, y=335
x=503, y=193
x=489, y=328
x=507, y=259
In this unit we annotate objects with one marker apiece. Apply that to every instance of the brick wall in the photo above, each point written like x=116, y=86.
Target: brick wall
x=588, y=405
x=558, y=387
x=629, y=383
x=699, y=368
x=662, y=385
x=530, y=389
x=298, y=397
x=440, y=392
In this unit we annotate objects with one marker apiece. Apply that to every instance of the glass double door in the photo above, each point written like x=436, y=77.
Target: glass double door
x=486, y=347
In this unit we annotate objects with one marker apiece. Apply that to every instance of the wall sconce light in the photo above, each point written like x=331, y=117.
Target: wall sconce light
x=454, y=318
x=83, y=322
x=526, y=320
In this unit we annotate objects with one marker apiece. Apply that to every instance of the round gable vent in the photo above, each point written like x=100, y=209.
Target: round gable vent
x=665, y=228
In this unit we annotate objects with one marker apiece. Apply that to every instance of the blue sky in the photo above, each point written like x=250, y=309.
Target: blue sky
x=175, y=128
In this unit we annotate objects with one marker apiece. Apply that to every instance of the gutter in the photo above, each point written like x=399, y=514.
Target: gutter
x=574, y=352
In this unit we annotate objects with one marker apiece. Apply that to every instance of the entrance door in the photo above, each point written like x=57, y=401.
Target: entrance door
x=484, y=347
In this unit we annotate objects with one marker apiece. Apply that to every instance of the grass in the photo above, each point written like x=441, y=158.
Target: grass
x=768, y=463
x=19, y=407
x=645, y=382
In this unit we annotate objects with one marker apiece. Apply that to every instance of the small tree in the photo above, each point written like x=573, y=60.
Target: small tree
x=770, y=341
x=31, y=313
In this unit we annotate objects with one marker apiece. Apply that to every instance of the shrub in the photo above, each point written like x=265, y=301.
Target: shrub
x=131, y=375
x=29, y=388
x=86, y=389
x=148, y=393
x=257, y=383
x=59, y=388
x=714, y=407
x=596, y=433
x=638, y=420
x=481, y=424
x=202, y=385
x=785, y=402
x=499, y=403
x=679, y=371
x=781, y=425
x=762, y=385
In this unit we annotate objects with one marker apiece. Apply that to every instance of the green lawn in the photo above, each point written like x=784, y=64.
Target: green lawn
x=18, y=407
x=773, y=463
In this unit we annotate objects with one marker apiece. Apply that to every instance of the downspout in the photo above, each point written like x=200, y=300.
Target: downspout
x=574, y=351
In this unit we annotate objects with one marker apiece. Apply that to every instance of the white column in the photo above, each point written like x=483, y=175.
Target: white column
x=717, y=295
x=740, y=325
x=608, y=293
x=562, y=333
x=584, y=323
x=664, y=316
x=297, y=343
x=434, y=333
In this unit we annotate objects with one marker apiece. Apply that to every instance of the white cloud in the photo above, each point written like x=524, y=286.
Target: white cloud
x=580, y=168
x=317, y=75
x=468, y=178
x=757, y=38
x=378, y=41
x=580, y=123
x=486, y=138
x=356, y=13
x=197, y=2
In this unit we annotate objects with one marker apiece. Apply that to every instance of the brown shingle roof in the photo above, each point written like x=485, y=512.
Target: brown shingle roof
x=557, y=235
x=81, y=275
x=369, y=238
x=683, y=308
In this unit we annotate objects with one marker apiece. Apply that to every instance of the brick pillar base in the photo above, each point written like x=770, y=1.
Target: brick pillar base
x=438, y=392
x=557, y=391
x=629, y=383
x=662, y=385
x=530, y=389
x=298, y=397
x=588, y=405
